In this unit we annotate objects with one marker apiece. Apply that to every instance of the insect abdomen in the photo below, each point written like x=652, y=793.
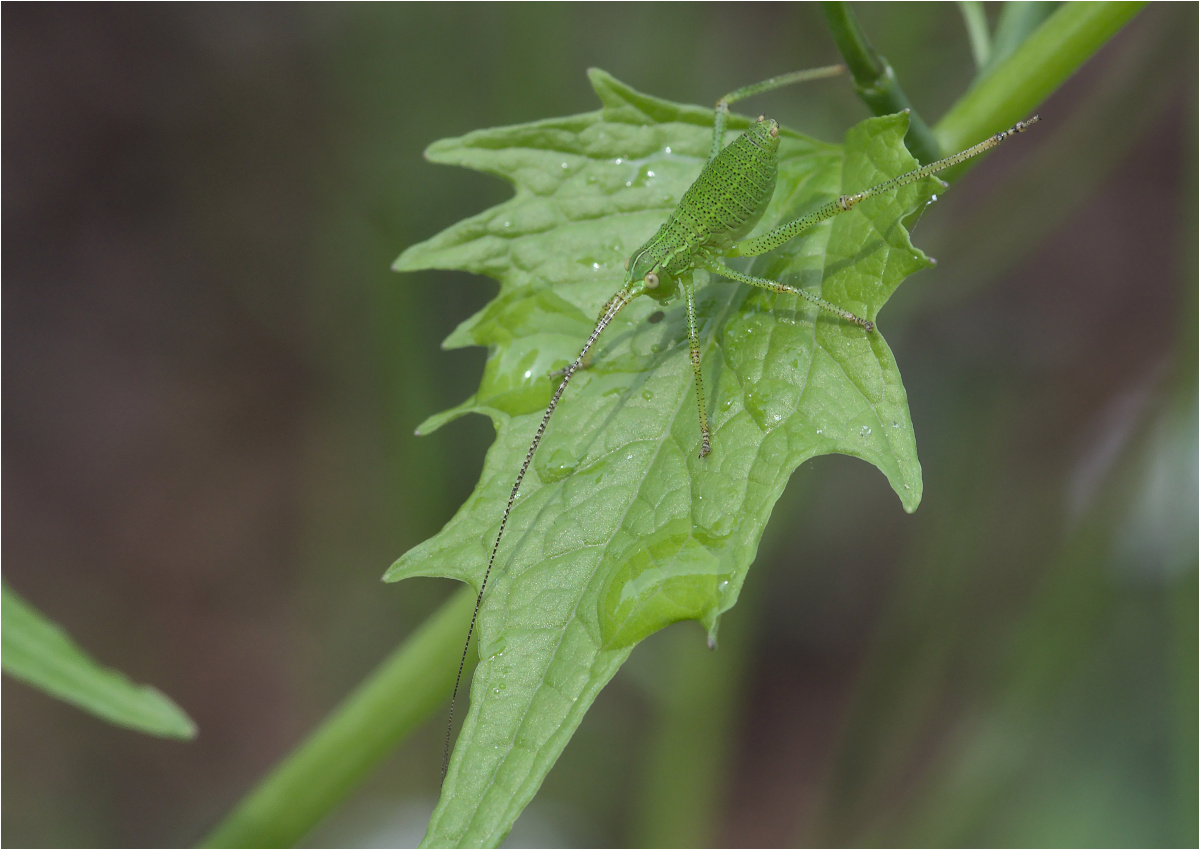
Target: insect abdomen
x=732, y=192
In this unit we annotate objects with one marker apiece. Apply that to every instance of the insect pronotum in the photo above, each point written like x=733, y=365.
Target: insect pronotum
x=711, y=222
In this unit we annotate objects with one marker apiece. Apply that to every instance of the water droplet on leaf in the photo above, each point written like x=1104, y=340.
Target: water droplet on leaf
x=559, y=463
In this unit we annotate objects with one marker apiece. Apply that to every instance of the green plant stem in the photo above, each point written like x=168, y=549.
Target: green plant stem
x=689, y=754
x=406, y=688
x=1016, y=86
x=977, y=31
x=876, y=82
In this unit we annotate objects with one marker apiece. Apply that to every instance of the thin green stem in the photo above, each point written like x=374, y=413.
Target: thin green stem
x=977, y=31
x=876, y=82
x=406, y=689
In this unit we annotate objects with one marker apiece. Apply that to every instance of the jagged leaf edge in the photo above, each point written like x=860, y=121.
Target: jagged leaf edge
x=459, y=411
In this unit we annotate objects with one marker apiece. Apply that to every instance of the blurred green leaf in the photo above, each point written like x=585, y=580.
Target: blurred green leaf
x=622, y=529
x=39, y=652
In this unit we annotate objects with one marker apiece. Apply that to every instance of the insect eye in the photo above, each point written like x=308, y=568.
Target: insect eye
x=627, y=259
x=651, y=281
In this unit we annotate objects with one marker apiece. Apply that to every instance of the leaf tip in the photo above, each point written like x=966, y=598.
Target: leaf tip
x=910, y=496
x=179, y=725
x=416, y=258
x=394, y=573
x=440, y=150
x=611, y=91
x=437, y=420
x=598, y=77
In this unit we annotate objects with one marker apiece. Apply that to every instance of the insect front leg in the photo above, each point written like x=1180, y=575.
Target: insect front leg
x=775, y=286
x=758, y=88
x=689, y=294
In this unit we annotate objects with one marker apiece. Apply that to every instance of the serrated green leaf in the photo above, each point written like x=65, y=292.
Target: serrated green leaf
x=620, y=528
x=37, y=651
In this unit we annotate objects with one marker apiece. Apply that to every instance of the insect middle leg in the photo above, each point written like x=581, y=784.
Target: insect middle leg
x=775, y=286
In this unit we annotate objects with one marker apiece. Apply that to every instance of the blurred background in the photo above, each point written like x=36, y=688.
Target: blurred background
x=211, y=381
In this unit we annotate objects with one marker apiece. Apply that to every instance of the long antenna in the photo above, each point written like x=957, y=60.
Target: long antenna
x=847, y=201
x=610, y=311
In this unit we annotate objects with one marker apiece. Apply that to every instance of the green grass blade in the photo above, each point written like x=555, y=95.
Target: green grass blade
x=39, y=652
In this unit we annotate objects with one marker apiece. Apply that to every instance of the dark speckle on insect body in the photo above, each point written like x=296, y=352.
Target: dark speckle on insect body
x=729, y=196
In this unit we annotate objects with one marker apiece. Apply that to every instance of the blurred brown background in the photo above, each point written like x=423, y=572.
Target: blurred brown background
x=211, y=379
